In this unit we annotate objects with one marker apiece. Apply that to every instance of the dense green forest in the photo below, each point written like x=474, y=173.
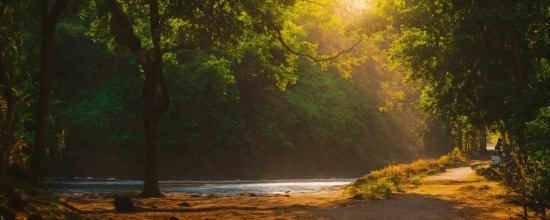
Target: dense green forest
x=226, y=89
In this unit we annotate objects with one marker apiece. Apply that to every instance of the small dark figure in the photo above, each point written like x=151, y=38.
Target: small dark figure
x=124, y=204
x=500, y=148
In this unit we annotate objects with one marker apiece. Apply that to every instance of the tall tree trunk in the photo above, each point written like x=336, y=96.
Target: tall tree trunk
x=153, y=111
x=474, y=140
x=150, y=181
x=154, y=76
x=483, y=142
x=7, y=117
x=459, y=136
x=48, y=22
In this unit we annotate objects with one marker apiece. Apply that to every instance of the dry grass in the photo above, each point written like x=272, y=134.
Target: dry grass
x=479, y=198
x=381, y=183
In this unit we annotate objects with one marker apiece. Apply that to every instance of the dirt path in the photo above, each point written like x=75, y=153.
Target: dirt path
x=456, y=194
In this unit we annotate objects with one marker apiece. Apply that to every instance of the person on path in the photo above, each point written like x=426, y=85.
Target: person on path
x=500, y=148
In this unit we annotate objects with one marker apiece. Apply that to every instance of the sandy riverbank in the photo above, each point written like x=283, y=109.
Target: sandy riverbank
x=456, y=194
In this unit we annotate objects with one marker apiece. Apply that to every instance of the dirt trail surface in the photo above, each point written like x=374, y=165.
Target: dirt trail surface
x=457, y=193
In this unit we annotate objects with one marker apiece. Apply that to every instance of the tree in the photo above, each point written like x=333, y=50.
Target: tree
x=475, y=56
x=7, y=102
x=485, y=65
x=199, y=24
x=48, y=20
x=7, y=116
x=16, y=33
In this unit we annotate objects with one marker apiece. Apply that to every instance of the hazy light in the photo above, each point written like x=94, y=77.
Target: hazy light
x=356, y=6
x=351, y=9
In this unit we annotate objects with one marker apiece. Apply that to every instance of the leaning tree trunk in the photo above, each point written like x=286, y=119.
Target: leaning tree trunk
x=48, y=22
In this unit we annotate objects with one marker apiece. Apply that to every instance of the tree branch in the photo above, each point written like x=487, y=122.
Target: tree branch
x=132, y=41
x=57, y=10
x=274, y=27
x=282, y=41
x=155, y=20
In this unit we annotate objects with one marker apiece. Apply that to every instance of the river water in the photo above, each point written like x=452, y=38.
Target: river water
x=227, y=187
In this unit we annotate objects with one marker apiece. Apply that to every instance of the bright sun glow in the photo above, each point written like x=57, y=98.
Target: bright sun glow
x=356, y=6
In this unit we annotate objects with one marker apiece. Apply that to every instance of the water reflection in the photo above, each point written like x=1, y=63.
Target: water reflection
x=227, y=187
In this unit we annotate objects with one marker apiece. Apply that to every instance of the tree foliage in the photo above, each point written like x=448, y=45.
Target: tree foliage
x=213, y=89
x=17, y=65
x=484, y=65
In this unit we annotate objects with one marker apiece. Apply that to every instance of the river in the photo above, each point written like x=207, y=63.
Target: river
x=227, y=187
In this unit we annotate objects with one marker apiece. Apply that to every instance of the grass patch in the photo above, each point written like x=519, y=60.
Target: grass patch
x=40, y=194
x=381, y=183
x=416, y=180
x=378, y=188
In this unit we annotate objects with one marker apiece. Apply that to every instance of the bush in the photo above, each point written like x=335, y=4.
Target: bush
x=377, y=188
x=454, y=157
x=530, y=175
x=416, y=180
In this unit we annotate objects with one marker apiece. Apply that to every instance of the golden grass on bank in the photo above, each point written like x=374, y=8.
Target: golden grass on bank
x=380, y=183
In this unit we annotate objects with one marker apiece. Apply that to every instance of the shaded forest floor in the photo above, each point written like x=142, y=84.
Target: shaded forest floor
x=458, y=193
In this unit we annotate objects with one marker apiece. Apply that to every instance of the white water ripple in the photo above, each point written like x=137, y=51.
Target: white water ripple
x=224, y=187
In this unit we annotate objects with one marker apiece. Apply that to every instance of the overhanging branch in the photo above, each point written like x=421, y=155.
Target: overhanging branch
x=282, y=41
x=271, y=25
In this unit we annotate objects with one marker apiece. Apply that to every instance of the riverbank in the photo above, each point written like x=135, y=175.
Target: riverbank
x=458, y=193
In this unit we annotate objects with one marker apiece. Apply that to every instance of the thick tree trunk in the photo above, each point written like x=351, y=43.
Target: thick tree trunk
x=150, y=181
x=154, y=76
x=7, y=117
x=150, y=85
x=48, y=23
x=42, y=111
x=153, y=112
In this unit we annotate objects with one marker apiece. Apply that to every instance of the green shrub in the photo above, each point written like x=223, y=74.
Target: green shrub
x=416, y=180
x=377, y=188
x=454, y=156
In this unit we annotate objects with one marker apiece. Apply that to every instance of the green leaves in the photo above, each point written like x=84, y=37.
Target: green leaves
x=102, y=109
x=485, y=65
x=469, y=53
